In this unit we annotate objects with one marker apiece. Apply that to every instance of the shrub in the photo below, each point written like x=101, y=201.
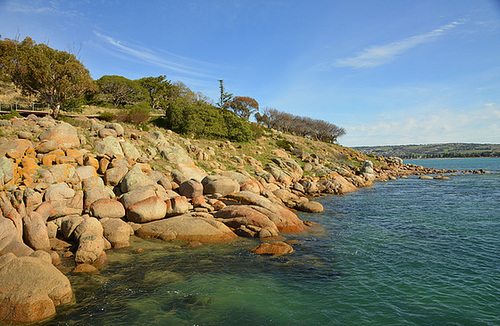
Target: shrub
x=285, y=144
x=107, y=116
x=136, y=115
x=10, y=115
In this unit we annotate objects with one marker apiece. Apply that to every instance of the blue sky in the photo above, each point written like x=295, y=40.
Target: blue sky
x=389, y=72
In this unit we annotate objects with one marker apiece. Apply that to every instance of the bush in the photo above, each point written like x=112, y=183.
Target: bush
x=107, y=116
x=10, y=115
x=285, y=144
x=137, y=115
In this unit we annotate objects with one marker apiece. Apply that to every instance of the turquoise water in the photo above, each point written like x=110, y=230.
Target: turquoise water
x=405, y=252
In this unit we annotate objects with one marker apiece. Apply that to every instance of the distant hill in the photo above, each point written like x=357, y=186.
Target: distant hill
x=434, y=150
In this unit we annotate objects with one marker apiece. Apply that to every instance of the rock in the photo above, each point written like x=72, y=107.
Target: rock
x=30, y=289
x=290, y=167
x=165, y=183
x=14, y=148
x=175, y=154
x=35, y=232
x=107, y=208
x=220, y=185
x=342, y=184
x=52, y=229
x=116, y=127
x=6, y=169
x=150, y=209
x=273, y=248
x=109, y=146
x=285, y=219
x=94, y=194
x=43, y=256
x=64, y=135
x=86, y=172
x=235, y=216
x=105, y=132
x=135, y=179
x=310, y=207
x=130, y=151
x=289, y=199
x=187, y=228
x=117, y=232
x=191, y=171
x=62, y=172
x=89, y=235
x=11, y=240
x=177, y=206
x=46, y=146
x=426, y=177
x=69, y=225
x=58, y=192
x=137, y=195
x=114, y=176
x=367, y=167
x=191, y=188
x=85, y=268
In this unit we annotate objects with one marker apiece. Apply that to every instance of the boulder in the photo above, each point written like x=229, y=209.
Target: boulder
x=191, y=188
x=137, y=195
x=92, y=195
x=69, y=224
x=86, y=172
x=114, y=176
x=64, y=135
x=109, y=146
x=219, y=184
x=174, y=154
x=273, y=248
x=62, y=172
x=135, y=179
x=235, y=216
x=46, y=146
x=191, y=171
x=11, y=240
x=30, y=289
x=105, y=132
x=35, y=232
x=116, y=127
x=177, y=206
x=150, y=209
x=285, y=219
x=130, y=151
x=310, y=207
x=6, y=169
x=117, y=232
x=187, y=228
x=58, y=192
x=89, y=234
x=107, y=208
x=14, y=148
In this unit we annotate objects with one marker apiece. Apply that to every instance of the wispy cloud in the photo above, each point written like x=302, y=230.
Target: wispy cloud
x=39, y=8
x=165, y=60
x=381, y=54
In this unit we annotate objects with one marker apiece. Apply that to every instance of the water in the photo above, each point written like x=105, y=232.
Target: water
x=405, y=252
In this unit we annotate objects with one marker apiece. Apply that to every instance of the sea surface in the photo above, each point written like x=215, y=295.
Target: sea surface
x=403, y=252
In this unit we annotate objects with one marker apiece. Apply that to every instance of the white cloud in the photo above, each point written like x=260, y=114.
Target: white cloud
x=481, y=125
x=381, y=54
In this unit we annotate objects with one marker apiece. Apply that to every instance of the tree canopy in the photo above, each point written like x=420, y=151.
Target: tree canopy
x=159, y=90
x=243, y=106
x=120, y=90
x=55, y=76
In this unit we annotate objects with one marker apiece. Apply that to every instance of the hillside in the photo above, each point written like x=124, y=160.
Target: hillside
x=434, y=150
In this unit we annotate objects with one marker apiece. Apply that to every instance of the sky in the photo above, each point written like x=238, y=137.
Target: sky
x=390, y=72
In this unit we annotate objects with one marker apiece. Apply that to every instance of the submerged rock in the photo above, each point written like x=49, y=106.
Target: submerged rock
x=273, y=248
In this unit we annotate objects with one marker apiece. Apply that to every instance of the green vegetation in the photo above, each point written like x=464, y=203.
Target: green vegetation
x=58, y=79
x=37, y=69
x=434, y=150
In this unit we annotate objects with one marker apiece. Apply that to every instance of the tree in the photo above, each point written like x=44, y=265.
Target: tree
x=159, y=90
x=55, y=76
x=120, y=90
x=243, y=106
x=225, y=97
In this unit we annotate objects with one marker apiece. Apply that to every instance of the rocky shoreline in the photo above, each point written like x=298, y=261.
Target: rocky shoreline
x=74, y=193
